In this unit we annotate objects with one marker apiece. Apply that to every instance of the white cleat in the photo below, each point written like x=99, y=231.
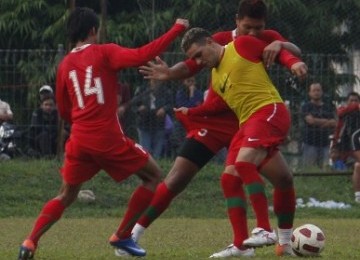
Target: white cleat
x=260, y=237
x=284, y=250
x=232, y=251
x=122, y=253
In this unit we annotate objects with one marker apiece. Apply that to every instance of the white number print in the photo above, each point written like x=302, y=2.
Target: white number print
x=96, y=89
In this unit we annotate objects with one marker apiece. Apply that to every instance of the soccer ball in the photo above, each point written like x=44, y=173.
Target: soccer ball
x=308, y=240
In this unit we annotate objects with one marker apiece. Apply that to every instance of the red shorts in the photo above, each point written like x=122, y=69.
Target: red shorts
x=123, y=158
x=268, y=127
x=215, y=132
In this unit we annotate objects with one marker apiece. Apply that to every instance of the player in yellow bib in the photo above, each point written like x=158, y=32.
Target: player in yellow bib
x=240, y=79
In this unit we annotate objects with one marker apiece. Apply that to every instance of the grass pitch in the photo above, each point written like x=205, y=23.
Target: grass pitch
x=187, y=239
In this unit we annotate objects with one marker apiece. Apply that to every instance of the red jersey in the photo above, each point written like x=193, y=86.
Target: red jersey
x=86, y=85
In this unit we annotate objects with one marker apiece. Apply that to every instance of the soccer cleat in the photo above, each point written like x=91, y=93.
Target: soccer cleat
x=260, y=237
x=232, y=251
x=284, y=250
x=27, y=250
x=128, y=245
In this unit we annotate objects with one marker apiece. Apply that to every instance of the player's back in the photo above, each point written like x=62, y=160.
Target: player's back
x=90, y=84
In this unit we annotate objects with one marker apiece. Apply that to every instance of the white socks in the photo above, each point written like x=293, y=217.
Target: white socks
x=137, y=232
x=284, y=235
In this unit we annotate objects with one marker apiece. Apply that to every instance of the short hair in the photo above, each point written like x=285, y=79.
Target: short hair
x=194, y=35
x=252, y=8
x=81, y=20
x=353, y=94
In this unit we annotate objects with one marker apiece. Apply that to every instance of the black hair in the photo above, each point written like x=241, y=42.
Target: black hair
x=353, y=93
x=252, y=8
x=80, y=22
x=194, y=35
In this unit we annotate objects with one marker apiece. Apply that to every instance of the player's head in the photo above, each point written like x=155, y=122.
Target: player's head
x=199, y=46
x=251, y=17
x=353, y=98
x=82, y=23
x=315, y=91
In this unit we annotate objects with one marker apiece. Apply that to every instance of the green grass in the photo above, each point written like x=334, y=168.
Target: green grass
x=72, y=239
x=194, y=227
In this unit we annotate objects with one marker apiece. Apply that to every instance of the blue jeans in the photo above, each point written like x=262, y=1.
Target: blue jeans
x=315, y=155
x=152, y=140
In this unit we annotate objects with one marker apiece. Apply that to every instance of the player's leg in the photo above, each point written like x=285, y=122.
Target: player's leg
x=276, y=170
x=356, y=173
x=185, y=167
x=50, y=213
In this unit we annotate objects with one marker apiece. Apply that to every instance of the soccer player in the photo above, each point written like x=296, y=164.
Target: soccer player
x=347, y=136
x=86, y=94
x=208, y=135
x=240, y=79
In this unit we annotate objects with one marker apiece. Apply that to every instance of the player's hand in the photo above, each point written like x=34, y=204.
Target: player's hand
x=155, y=70
x=299, y=69
x=183, y=110
x=161, y=112
x=182, y=21
x=270, y=52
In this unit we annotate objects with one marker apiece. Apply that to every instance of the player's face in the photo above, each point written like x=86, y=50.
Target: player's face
x=250, y=26
x=315, y=92
x=353, y=100
x=204, y=54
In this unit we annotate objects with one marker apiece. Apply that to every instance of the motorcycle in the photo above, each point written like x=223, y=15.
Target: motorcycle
x=8, y=136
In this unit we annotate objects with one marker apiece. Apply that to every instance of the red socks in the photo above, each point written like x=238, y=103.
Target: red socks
x=139, y=201
x=236, y=206
x=256, y=191
x=50, y=213
x=160, y=202
x=284, y=207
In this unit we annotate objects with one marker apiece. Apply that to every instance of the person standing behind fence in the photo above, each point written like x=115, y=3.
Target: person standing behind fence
x=347, y=136
x=86, y=95
x=319, y=122
x=44, y=127
x=153, y=103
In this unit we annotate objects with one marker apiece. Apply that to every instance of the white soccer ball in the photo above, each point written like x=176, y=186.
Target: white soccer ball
x=86, y=196
x=308, y=240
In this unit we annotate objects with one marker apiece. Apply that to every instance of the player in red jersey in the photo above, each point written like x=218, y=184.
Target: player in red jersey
x=240, y=79
x=208, y=135
x=86, y=94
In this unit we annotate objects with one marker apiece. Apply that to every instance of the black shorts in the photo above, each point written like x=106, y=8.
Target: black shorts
x=195, y=152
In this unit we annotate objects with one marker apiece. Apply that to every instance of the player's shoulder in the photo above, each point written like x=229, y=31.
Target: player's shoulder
x=271, y=35
x=223, y=37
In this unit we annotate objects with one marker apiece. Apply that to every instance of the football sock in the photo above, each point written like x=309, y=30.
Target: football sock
x=160, y=202
x=137, y=232
x=50, y=213
x=284, y=207
x=256, y=191
x=139, y=201
x=284, y=235
x=236, y=206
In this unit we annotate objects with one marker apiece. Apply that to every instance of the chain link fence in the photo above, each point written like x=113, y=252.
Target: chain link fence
x=330, y=70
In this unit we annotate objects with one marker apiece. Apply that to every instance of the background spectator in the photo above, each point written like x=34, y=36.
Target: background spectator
x=153, y=103
x=5, y=112
x=347, y=138
x=124, y=98
x=45, y=91
x=43, y=127
x=319, y=119
x=187, y=95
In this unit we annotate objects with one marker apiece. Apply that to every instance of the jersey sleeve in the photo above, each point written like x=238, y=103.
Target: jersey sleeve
x=214, y=105
x=342, y=111
x=63, y=100
x=121, y=57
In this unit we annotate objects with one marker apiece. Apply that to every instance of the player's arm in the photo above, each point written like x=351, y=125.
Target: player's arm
x=120, y=57
x=63, y=101
x=214, y=105
x=342, y=111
